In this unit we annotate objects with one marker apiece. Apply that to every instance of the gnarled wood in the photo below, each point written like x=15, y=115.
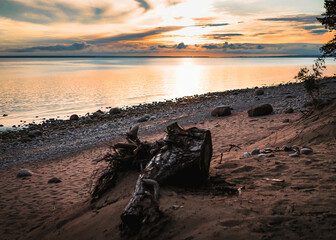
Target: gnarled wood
x=184, y=153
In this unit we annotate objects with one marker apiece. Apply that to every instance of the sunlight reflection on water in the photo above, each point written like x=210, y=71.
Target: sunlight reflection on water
x=59, y=87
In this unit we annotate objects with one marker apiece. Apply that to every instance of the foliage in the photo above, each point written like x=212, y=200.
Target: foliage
x=312, y=79
x=328, y=19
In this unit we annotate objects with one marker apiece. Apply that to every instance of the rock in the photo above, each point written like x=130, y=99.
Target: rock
x=54, y=180
x=306, y=150
x=24, y=173
x=98, y=114
x=256, y=151
x=286, y=120
x=258, y=92
x=34, y=133
x=221, y=111
x=260, y=110
x=115, y=111
x=247, y=155
x=289, y=110
x=271, y=155
x=287, y=149
x=144, y=118
x=294, y=154
x=1, y=125
x=268, y=150
x=5, y=115
x=74, y=117
x=262, y=155
x=152, y=118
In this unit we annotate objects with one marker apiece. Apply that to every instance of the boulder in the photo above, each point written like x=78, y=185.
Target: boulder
x=74, y=117
x=258, y=92
x=260, y=110
x=114, y=110
x=34, y=133
x=24, y=173
x=221, y=111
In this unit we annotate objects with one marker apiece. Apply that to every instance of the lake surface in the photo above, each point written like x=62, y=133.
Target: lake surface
x=32, y=89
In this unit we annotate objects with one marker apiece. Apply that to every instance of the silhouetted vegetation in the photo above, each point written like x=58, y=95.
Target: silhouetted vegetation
x=329, y=21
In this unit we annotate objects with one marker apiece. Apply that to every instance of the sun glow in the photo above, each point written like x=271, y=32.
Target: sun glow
x=188, y=78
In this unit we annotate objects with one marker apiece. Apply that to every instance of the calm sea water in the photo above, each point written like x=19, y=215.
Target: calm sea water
x=35, y=88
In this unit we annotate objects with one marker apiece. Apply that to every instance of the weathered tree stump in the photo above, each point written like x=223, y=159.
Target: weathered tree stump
x=184, y=155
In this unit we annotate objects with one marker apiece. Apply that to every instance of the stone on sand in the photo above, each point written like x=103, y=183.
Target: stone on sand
x=74, y=117
x=306, y=150
x=34, y=133
x=247, y=155
x=221, y=111
x=114, y=110
x=256, y=151
x=24, y=173
x=54, y=180
x=260, y=110
x=258, y=92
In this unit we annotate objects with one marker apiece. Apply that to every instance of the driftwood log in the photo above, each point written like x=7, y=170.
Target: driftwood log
x=183, y=156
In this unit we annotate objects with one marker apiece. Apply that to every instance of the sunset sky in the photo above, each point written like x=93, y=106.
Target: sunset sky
x=161, y=27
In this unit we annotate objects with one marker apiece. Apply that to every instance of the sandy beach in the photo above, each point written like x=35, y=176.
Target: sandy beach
x=281, y=198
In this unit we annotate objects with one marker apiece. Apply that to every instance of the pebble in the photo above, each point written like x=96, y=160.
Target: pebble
x=74, y=117
x=5, y=115
x=289, y=110
x=54, y=180
x=34, y=133
x=247, y=155
x=255, y=151
x=306, y=150
x=262, y=155
x=115, y=110
x=268, y=150
x=144, y=118
x=24, y=173
x=287, y=149
x=259, y=92
x=294, y=155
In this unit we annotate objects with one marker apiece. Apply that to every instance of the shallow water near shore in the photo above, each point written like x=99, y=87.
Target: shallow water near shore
x=34, y=89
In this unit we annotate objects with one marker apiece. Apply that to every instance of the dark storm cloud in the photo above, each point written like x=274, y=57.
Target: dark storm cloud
x=211, y=46
x=301, y=18
x=53, y=48
x=134, y=36
x=145, y=5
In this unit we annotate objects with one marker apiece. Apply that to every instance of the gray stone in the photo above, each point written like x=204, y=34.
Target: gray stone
x=294, y=155
x=262, y=155
x=306, y=150
x=221, y=111
x=268, y=150
x=34, y=133
x=54, y=180
x=115, y=110
x=287, y=149
x=74, y=117
x=24, y=173
x=256, y=151
x=258, y=92
x=260, y=110
x=144, y=118
x=247, y=155
x=289, y=110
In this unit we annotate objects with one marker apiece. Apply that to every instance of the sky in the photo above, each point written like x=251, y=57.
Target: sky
x=217, y=28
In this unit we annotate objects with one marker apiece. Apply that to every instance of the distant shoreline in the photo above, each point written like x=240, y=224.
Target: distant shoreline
x=283, y=56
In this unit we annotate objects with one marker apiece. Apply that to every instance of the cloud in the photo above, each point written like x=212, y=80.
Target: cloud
x=53, y=48
x=145, y=5
x=134, y=36
x=181, y=46
x=301, y=18
x=223, y=35
x=211, y=46
x=319, y=31
x=213, y=25
x=174, y=2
